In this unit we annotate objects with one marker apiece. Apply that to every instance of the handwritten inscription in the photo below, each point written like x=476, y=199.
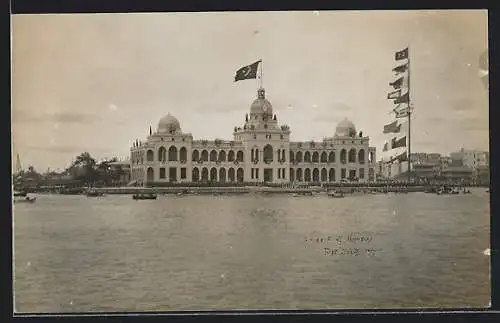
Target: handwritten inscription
x=352, y=237
x=352, y=244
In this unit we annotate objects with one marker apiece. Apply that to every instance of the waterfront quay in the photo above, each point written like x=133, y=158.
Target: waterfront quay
x=375, y=188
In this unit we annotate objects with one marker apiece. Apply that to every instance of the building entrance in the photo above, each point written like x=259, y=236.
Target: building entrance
x=268, y=175
x=172, y=174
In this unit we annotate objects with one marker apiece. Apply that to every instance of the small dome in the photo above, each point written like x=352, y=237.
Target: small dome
x=261, y=104
x=169, y=124
x=345, y=128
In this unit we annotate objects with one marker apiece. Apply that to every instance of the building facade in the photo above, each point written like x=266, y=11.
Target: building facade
x=260, y=152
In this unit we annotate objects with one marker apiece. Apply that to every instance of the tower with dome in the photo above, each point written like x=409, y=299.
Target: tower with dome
x=260, y=152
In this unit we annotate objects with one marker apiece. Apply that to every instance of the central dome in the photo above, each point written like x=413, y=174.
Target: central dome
x=261, y=104
x=345, y=128
x=169, y=124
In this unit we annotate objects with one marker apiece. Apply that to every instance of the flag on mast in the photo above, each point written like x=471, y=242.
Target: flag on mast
x=402, y=54
x=401, y=157
x=405, y=98
x=394, y=94
x=392, y=127
x=401, y=112
x=398, y=143
x=247, y=72
x=397, y=84
x=401, y=68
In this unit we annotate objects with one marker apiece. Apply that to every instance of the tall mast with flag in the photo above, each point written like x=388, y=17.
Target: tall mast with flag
x=250, y=72
x=401, y=98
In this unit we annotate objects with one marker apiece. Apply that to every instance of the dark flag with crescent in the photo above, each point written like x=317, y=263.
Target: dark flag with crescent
x=247, y=72
x=402, y=54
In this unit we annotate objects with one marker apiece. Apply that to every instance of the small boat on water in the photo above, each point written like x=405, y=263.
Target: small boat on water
x=93, y=194
x=445, y=190
x=26, y=199
x=336, y=194
x=20, y=193
x=147, y=196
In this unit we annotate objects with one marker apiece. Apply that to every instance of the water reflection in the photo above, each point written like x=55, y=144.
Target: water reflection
x=247, y=252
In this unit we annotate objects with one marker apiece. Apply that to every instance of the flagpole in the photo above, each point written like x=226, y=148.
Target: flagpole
x=261, y=73
x=409, y=117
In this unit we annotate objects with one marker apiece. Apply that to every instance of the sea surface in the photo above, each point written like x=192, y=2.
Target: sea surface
x=114, y=254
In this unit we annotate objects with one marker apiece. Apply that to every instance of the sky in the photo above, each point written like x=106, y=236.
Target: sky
x=97, y=82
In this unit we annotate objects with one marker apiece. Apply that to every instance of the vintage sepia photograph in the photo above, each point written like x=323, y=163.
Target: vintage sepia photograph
x=293, y=160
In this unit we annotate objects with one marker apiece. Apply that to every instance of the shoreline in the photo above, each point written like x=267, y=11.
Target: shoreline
x=366, y=189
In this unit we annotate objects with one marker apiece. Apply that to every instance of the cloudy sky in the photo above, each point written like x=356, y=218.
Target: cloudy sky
x=96, y=82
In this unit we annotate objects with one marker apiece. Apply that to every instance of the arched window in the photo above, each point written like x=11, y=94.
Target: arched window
x=361, y=156
x=204, y=174
x=292, y=157
x=196, y=155
x=352, y=155
x=162, y=154
x=315, y=157
x=331, y=157
x=230, y=156
x=268, y=154
x=172, y=153
x=292, y=175
x=324, y=157
x=343, y=156
x=283, y=155
x=307, y=157
x=150, y=174
x=230, y=174
x=331, y=175
x=213, y=174
x=204, y=155
x=239, y=157
x=222, y=175
x=196, y=174
x=240, y=175
x=298, y=157
x=213, y=156
x=324, y=175
x=222, y=156
x=315, y=175
x=150, y=156
x=183, y=154
x=299, y=174
x=307, y=175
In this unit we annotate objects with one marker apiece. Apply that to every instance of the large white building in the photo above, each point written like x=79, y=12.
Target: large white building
x=261, y=151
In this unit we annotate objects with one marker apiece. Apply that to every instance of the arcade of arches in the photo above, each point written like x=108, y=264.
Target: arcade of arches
x=260, y=152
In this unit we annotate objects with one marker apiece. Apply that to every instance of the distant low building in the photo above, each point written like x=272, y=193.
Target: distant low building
x=124, y=168
x=475, y=160
x=427, y=171
x=457, y=174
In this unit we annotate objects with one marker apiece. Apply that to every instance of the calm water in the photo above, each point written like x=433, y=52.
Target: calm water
x=74, y=253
